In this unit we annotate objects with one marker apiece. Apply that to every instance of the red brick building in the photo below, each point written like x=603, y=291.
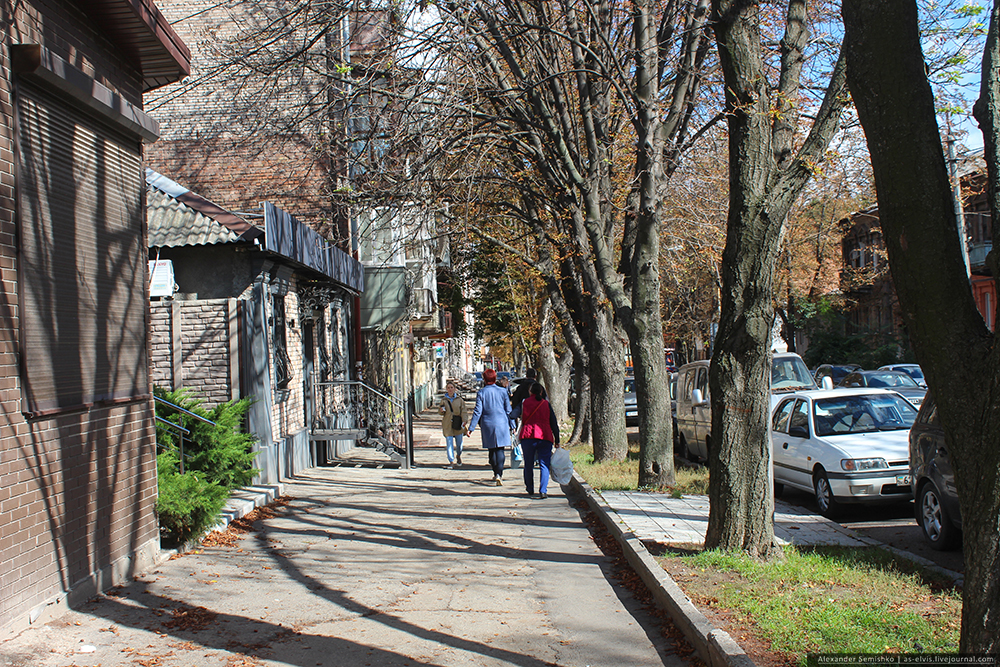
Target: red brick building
x=865, y=278
x=77, y=450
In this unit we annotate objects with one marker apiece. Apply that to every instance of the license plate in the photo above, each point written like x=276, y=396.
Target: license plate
x=903, y=480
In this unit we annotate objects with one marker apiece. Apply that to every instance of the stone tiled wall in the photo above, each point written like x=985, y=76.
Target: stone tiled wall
x=161, y=357
x=191, y=348
x=77, y=490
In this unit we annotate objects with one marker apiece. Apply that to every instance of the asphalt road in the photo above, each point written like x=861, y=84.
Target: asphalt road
x=891, y=524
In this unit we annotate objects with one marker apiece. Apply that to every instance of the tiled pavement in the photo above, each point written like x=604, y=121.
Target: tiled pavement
x=660, y=518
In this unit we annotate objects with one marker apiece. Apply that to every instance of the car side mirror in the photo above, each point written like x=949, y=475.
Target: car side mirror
x=826, y=382
x=696, y=397
x=798, y=432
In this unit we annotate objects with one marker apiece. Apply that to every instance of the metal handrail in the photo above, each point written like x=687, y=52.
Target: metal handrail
x=183, y=431
x=184, y=410
x=173, y=425
x=360, y=383
x=356, y=404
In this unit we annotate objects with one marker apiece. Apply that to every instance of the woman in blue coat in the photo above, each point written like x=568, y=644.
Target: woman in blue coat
x=493, y=409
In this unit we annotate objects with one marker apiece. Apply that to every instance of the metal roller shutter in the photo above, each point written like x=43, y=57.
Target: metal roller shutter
x=82, y=260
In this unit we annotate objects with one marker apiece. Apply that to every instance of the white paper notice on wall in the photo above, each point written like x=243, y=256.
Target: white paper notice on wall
x=161, y=277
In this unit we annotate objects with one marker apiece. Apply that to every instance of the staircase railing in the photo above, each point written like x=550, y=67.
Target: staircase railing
x=353, y=410
x=181, y=431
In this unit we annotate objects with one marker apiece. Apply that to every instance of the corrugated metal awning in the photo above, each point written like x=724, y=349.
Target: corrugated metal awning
x=178, y=217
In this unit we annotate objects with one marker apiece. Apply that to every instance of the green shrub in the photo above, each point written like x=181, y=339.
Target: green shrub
x=187, y=505
x=217, y=459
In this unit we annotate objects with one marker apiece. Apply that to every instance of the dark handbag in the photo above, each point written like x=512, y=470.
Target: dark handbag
x=456, y=420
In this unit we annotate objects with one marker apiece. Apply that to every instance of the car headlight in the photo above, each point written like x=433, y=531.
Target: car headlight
x=852, y=465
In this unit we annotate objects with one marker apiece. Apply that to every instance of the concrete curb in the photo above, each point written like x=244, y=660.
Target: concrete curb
x=714, y=646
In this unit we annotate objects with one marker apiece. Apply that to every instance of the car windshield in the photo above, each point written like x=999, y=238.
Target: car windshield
x=790, y=374
x=862, y=414
x=892, y=379
x=629, y=386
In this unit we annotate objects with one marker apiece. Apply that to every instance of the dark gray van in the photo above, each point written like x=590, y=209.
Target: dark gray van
x=694, y=411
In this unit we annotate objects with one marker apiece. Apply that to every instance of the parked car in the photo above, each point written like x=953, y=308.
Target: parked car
x=694, y=415
x=899, y=382
x=932, y=481
x=913, y=370
x=631, y=409
x=694, y=411
x=790, y=373
x=843, y=445
x=836, y=372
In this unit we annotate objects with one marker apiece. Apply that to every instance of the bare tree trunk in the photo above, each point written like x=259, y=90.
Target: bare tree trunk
x=552, y=367
x=956, y=350
x=656, y=450
x=581, y=427
x=607, y=388
x=765, y=178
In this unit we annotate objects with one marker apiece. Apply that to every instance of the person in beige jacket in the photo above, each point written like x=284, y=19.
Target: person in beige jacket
x=453, y=423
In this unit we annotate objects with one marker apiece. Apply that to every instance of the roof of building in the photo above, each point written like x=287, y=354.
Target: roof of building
x=178, y=217
x=139, y=29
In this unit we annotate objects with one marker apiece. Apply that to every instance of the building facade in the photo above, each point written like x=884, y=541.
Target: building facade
x=77, y=449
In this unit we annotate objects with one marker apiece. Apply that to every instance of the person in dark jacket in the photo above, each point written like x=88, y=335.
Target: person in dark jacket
x=539, y=434
x=493, y=409
x=521, y=392
x=523, y=388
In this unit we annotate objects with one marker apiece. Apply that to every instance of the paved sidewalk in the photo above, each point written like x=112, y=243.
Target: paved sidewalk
x=683, y=521
x=368, y=564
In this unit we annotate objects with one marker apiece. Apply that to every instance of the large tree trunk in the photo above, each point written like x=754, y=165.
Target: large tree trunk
x=656, y=450
x=740, y=494
x=607, y=387
x=955, y=348
x=765, y=177
x=554, y=368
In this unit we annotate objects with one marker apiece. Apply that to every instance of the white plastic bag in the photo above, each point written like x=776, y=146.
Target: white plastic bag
x=561, y=468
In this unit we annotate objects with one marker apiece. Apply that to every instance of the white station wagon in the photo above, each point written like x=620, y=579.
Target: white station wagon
x=844, y=445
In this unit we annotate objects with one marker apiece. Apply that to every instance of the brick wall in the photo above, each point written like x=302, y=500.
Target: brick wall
x=212, y=140
x=77, y=491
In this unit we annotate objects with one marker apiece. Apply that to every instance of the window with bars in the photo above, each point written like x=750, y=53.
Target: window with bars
x=282, y=364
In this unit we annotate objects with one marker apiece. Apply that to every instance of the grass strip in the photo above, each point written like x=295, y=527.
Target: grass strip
x=837, y=600
x=624, y=475
x=815, y=600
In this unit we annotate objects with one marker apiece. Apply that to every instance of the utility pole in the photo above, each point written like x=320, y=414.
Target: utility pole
x=956, y=185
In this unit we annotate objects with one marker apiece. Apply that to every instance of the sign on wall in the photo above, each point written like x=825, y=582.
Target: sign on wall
x=161, y=277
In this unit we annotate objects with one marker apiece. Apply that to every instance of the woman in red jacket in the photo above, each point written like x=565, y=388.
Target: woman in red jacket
x=539, y=434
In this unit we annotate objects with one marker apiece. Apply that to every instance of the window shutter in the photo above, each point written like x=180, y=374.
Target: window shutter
x=82, y=264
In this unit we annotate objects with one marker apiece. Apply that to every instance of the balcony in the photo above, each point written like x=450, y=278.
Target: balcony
x=977, y=256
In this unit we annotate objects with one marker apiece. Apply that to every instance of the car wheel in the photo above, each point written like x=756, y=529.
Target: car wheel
x=682, y=447
x=828, y=505
x=937, y=526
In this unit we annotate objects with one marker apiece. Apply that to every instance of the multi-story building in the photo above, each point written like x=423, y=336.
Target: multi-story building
x=867, y=283
x=77, y=445
x=314, y=137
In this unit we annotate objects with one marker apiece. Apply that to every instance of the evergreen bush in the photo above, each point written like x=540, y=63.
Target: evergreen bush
x=187, y=504
x=217, y=459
